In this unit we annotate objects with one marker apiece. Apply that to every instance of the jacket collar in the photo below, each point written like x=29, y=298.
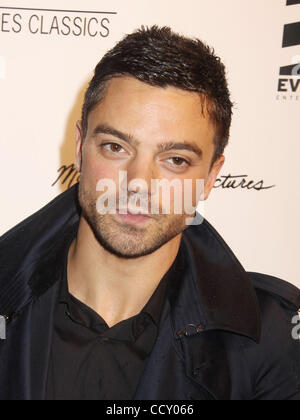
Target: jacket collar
x=217, y=293
x=24, y=248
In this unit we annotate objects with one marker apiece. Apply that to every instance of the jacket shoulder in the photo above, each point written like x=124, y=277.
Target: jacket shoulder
x=275, y=361
x=60, y=207
x=281, y=290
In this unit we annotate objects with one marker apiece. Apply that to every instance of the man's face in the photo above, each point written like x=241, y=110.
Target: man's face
x=148, y=133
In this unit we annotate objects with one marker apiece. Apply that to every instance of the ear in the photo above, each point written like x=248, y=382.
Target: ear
x=79, y=143
x=212, y=176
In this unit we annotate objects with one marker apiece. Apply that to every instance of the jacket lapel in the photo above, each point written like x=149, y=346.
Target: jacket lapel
x=225, y=296
x=207, y=364
x=164, y=377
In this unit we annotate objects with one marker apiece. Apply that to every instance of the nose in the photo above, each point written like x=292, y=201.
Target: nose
x=141, y=168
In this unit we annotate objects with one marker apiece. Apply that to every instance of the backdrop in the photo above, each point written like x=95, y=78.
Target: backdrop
x=48, y=50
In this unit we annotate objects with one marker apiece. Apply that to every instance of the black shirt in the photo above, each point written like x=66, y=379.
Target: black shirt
x=91, y=361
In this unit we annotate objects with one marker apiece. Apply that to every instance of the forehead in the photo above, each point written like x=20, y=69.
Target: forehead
x=141, y=110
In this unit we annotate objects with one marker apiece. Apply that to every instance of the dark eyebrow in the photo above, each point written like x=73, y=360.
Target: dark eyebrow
x=105, y=129
x=163, y=147
x=191, y=147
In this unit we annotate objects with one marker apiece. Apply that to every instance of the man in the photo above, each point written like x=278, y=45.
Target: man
x=106, y=302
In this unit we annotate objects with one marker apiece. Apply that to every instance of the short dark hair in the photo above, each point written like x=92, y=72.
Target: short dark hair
x=161, y=57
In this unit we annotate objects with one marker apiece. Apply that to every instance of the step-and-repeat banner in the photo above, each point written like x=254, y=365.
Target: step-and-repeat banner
x=48, y=50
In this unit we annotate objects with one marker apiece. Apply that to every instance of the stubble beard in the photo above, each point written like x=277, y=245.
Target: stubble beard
x=127, y=241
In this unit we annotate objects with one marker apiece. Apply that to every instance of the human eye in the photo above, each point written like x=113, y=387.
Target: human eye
x=112, y=147
x=178, y=162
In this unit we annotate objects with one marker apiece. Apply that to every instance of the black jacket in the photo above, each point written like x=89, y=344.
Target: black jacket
x=227, y=335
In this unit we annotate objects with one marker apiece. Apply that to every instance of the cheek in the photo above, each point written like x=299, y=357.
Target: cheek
x=95, y=169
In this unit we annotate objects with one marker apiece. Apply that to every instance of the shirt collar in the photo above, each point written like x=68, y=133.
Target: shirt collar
x=154, y=307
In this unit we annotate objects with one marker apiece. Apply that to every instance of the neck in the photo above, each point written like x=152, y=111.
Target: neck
x=116, y=288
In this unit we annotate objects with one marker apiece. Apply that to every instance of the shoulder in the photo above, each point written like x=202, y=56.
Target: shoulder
x=279, y=304
x=276, y=360
x=60, y=209
x=35, y=235
x=24, y=246
x=283, y=292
